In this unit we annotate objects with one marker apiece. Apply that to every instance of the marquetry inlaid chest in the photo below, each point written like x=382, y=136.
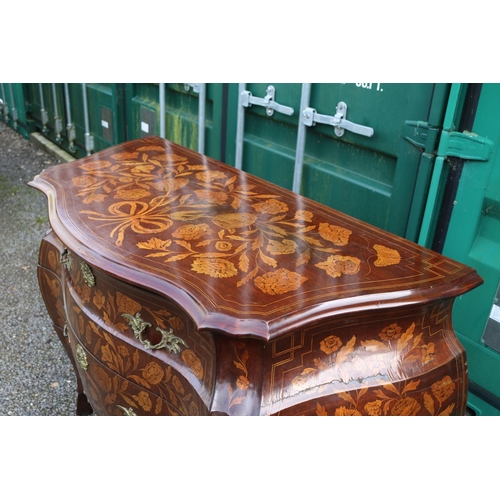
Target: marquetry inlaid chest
x=182, y=286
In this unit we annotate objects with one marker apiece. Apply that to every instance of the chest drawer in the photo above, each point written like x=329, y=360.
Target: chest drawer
x=112, y=394
x=178, y=375
x=49, y=277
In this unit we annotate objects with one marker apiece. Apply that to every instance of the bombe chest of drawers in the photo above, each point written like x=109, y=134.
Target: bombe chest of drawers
x=182, y=286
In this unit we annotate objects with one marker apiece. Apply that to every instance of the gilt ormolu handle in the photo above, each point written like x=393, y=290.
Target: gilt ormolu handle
x=168, y=340
x=128, y=412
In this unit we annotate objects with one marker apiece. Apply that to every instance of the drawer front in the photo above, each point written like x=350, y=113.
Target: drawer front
x=166, y=328
x=176, y=377
x=408, y=363
x=110, y=394
x=49, y=278
x=52, y=254
x=52, y=293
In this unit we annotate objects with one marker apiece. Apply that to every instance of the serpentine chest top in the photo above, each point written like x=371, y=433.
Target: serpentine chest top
x=182, y=286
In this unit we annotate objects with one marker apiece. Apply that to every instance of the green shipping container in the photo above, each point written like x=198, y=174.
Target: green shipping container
x=419, y=160
x=471, y=234
x=367, y=147
x=13, y=108
x=80, y=118
x=188, y=114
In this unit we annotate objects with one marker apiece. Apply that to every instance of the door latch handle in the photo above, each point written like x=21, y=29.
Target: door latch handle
x=268, y=102
x=310, y=117
x=195, y=86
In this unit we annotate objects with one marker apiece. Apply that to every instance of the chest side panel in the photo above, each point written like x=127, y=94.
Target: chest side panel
x=408, y=362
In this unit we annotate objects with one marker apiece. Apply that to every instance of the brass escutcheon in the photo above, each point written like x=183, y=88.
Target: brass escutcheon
x=88, y=277
x=66, y=259
x=81, y=357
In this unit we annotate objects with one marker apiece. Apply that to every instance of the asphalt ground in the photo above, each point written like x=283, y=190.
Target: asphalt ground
x=36, y=376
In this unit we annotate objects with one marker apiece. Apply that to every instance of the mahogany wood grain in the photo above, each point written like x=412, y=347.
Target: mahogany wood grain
x=271, y=303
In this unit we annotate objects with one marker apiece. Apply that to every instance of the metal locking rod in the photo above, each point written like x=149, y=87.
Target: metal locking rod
x=162, y=110
x=301, y=140
x=4, y=106
x=89, y=138
x=70, y=127
x=268, y=102
x=58, y=124
x=201, y=89
x=240, y=130
x=43, y=112
x=13, y=110
x=310, y=117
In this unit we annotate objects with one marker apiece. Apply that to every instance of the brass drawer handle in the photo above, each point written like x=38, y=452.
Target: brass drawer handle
x=168, y=340
x=87, y=274
x=127, y=411
x=81, y=357
x=137, y=324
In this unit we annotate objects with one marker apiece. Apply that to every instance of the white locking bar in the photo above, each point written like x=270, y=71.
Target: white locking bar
x=268, y=102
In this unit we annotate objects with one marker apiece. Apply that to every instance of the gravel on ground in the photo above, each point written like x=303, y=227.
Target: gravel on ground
x=36, y=376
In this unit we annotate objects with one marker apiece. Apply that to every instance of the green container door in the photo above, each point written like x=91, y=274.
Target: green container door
x=381, y=179
x=86, y=118
x=185, y=105
x=13, y=108
x=474, y=238
x=268, y=142
x=80, y=118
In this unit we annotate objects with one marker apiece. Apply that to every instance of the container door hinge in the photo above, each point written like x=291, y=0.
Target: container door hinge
x=310, y=117
x=268, y=102
x=465, y=145
x=422, y=135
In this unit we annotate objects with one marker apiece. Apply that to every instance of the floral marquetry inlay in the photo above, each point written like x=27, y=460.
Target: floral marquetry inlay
x=188, y=287
x=222, y=226
x=226, y=237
